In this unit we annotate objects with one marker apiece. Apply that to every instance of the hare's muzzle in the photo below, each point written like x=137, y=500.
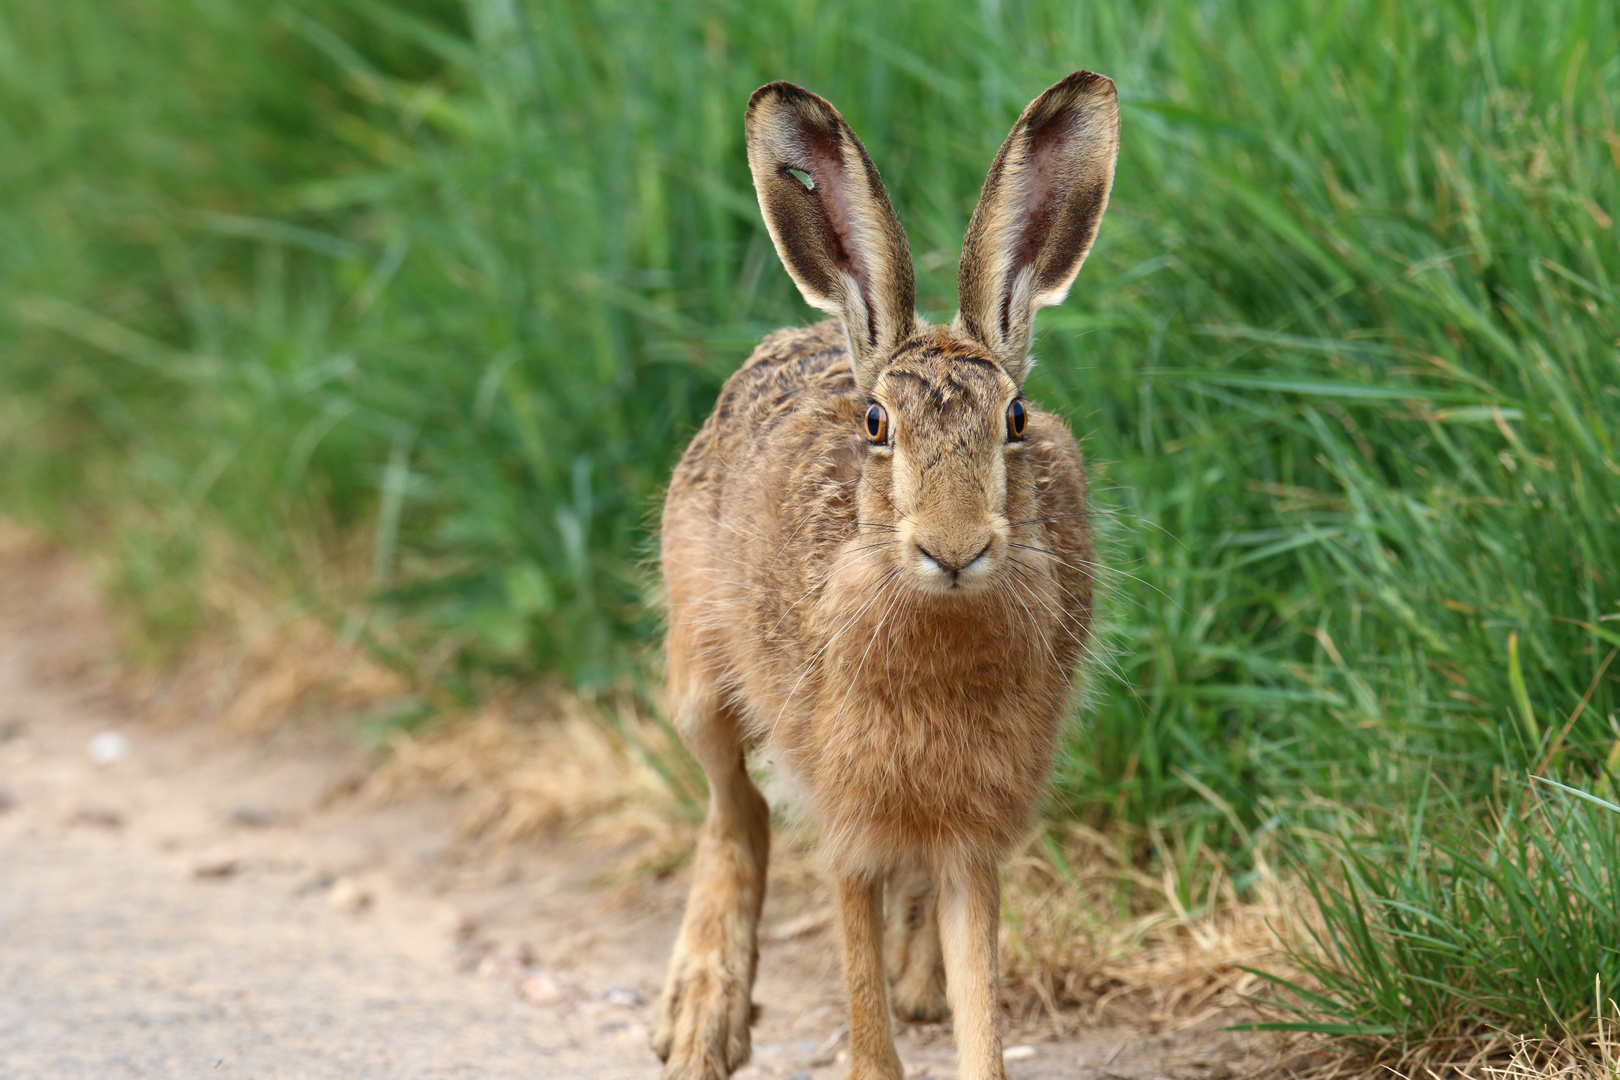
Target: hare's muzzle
x=955, y=564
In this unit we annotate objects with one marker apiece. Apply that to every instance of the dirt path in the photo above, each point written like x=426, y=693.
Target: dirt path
x=198, y=907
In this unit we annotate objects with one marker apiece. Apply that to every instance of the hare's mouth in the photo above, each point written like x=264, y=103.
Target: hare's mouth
x=956, y=575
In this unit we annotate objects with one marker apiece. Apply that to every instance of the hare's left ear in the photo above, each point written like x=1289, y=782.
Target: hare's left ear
x=1038, y=215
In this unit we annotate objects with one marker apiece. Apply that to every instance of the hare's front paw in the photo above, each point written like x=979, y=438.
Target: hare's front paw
x=703, y=1020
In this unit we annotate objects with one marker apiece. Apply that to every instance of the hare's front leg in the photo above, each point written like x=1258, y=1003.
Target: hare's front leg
x=871, y=1043
x=969, y=918
x=707, y=1004
x=911, y=947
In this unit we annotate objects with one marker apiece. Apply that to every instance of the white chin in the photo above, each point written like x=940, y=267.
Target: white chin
x=935, y=581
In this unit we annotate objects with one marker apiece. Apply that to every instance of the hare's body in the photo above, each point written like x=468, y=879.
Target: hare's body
x=923, y=725
x=877, y=562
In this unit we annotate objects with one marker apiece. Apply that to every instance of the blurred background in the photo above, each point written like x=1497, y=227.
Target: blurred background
x=402, y=310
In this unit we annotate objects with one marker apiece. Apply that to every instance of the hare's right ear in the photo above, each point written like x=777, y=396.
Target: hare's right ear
x=1038, y=215
x=831, y=221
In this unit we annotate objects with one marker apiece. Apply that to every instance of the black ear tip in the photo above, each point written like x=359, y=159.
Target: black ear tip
x=780, y=88
x=1083, y=84
x=786, y=93
x=1084, y=93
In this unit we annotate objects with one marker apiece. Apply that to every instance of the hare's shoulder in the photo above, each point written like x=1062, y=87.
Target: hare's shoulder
x=1054, y=455
x=791, y=368
x=796, y=387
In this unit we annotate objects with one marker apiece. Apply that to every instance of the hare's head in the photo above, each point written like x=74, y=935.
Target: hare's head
x=945, y=425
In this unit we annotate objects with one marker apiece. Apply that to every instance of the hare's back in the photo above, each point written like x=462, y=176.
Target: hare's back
x=779, y=456
x=793, y=372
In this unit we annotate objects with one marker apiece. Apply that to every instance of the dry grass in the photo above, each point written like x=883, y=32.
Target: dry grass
x=1588, y=1055
x=263, y=657
x=1089, y=934
x=545, y=763
x=254, y=654
x=1591, y=1056
x=1592, y=1053
x=249, y=681
x=1569, y=1058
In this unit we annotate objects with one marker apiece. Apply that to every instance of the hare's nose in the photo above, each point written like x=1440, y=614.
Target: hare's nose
x=953, y=559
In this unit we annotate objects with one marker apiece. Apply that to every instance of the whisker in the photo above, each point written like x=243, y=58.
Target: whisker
x=861, y=667
x=896, y=509
x=1092, y=569
x=1048, y=517
x=1083, y=643
x=834, y=572
x=808, y=664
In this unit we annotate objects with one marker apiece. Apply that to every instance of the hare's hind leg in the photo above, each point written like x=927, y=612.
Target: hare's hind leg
x=707, y=1004
x=911, y=947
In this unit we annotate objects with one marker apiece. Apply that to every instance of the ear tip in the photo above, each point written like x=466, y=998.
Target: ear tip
x=1082, y=94
x=1085, y=88
x=1089, y=81
x=782, y=92
x=779, y=88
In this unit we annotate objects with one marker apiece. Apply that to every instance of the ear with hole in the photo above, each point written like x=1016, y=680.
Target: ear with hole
x=1038, y=215
x=831, y=221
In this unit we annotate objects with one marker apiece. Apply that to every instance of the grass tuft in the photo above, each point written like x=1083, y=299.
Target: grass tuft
x=1439, y=945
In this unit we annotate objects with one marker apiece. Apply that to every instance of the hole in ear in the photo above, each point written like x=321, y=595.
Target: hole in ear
x=804, y=178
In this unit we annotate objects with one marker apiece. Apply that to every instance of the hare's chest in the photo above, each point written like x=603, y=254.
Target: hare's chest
x=917, y=759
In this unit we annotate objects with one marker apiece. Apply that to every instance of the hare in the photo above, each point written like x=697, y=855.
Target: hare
x=877, y=562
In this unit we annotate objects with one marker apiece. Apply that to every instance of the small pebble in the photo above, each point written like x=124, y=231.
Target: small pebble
x=108, y=747
x=217, y=870
x=11, y=728
x=494, y=962
x=348, y=896
x=540, y=988
x=800, y=1075
x=623, y=997
x=251, y=817
x=319, y=883
x=1018, y=1053
x=99, y=817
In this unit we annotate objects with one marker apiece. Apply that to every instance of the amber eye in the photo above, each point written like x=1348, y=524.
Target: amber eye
x=877, y=424
x=1016, y=419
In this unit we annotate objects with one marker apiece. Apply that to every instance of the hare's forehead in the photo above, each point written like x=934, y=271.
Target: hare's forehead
x=946, y=384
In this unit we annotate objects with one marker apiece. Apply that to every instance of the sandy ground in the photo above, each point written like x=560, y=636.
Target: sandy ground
x=206, y=907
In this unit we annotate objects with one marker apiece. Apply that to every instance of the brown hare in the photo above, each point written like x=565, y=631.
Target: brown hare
x=877, y=556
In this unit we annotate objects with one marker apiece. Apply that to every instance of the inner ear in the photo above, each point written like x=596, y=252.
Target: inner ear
x=1064, y=205
x=823, y=191
x=1038, y=214
x=831, y=221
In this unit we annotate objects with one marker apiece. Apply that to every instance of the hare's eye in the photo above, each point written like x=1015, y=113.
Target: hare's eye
x=1017, y=417
x=877, y=424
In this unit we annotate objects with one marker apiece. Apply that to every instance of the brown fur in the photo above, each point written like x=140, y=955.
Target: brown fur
x=912, y=956
x=897, y=624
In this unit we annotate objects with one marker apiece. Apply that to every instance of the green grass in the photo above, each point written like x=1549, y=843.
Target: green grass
x=447, y=285
x=1443, y=936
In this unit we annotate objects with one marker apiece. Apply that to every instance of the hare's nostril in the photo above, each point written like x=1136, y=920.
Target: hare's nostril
x=954, y=564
